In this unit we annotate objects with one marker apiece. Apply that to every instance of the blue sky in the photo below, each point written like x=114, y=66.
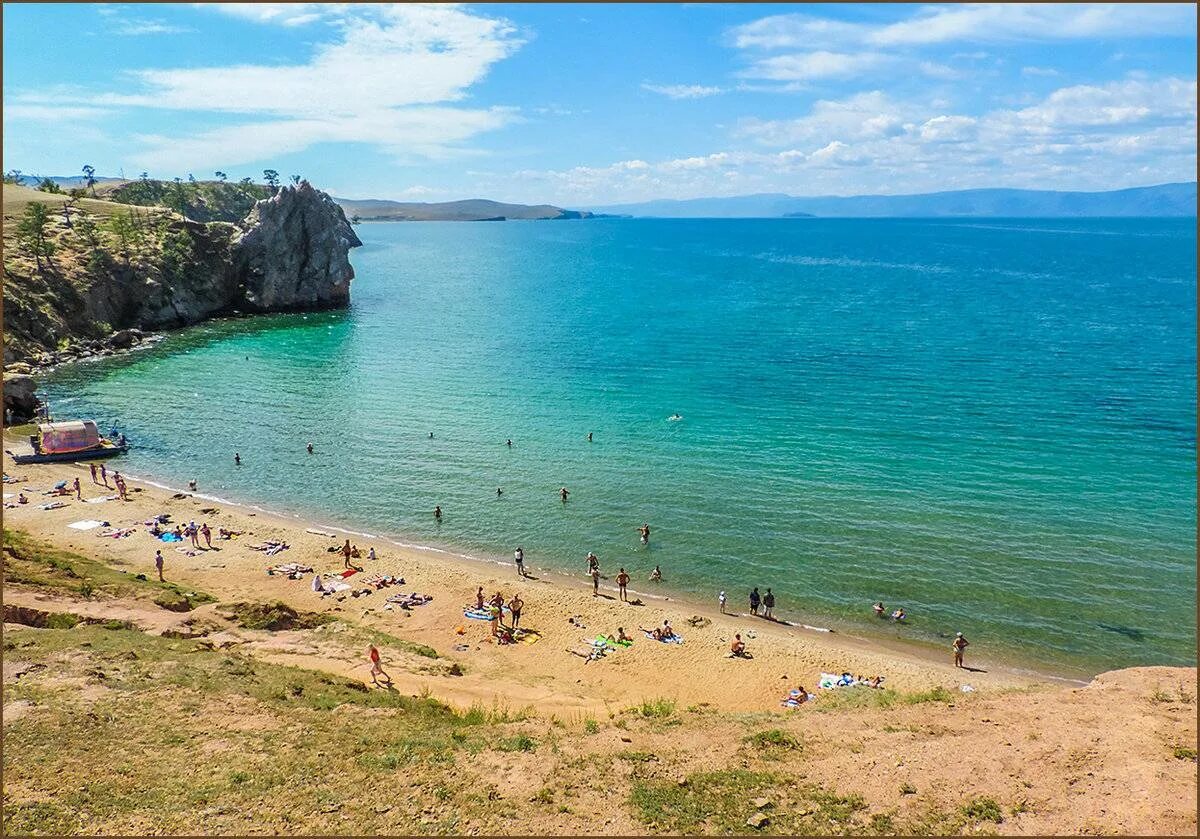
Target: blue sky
x=587, y=104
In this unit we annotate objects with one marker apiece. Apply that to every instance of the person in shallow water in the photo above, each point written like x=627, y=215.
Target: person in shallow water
x=960, y=644
x=879, y=609
x=437, y=513
x=237, y=458
x=563, y=493
x=645, y=531
x=310, y=448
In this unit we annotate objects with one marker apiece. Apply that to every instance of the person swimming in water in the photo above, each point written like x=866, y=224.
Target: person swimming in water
x=437, y=513
x=656, y=575
x=510, y=443
x=645, y=531
x=675, y=417
x=589, y=436
x=310, y=448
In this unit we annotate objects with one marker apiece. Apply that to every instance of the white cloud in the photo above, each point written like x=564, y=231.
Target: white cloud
x=1126, y=133
x=813, y=65
x=135, y=27
x=684, y=91
x=385, y=79
x=1038, y=71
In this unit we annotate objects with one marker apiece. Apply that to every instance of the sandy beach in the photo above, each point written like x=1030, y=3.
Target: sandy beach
x=543, y=674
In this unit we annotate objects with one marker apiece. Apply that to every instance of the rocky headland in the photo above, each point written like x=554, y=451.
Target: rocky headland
x=109, y=270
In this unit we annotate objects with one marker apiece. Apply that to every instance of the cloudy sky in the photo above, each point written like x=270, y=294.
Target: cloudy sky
x=582, y=105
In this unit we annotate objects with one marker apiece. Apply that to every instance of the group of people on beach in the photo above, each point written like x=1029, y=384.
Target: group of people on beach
x=121, y=487
x=495, y=606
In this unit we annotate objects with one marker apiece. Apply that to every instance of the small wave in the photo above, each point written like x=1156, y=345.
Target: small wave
x=847, y=262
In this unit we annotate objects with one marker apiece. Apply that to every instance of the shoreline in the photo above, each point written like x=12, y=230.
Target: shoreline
x=907, y=665
x=922, y=648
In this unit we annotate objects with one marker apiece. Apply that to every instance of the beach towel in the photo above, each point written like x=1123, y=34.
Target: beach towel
x=170, y=537
x=86, y=524
x=53, y=505
x=349, y=572
x=603, y=640
x=481, y=614
x=676, y=639
x=102, y=499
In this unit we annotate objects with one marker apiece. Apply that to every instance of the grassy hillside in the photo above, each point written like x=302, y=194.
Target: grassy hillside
x=104, y=258
x=197, y=200
x=476, y=209
x=156, y=721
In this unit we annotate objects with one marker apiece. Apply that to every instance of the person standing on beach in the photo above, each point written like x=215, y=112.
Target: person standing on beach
x=346, y=553
x=596, y=581
x=519, y=556
x=754, y=601
x=622, y=582
x=158, y=565
x=721, y=601
x=514, y=606
x=376, y=667
x=768, y=605
x=93, y=466
x=960, y=644
x=104, y=475
x=206, y=533
x=78, y=490
x=479, y=599
x=194, y=532
x=563, y=493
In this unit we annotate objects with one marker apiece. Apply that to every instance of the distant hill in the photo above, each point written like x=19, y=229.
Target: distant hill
x=1178, y=199
x=475, y=209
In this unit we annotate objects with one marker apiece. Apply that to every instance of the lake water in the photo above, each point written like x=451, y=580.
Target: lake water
x=988, y=422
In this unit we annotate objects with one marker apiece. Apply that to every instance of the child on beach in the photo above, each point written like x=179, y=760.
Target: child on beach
x=376, y=667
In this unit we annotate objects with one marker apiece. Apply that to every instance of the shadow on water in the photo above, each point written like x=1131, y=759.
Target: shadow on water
x=1128, y=631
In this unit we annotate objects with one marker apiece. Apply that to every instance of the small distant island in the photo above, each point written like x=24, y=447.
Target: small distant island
x=473, y=209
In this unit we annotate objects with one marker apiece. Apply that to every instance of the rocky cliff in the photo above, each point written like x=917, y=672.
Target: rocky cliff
x=116, y=267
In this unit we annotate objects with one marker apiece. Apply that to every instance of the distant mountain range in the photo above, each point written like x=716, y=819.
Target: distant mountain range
x=1178, y=199
x=474, y=209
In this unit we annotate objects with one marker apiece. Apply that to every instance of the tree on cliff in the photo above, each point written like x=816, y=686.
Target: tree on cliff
x=31, y=233
x=47, y=185
x=13, y=176
x=127, y=234
x=221, y=176
x=89, y=176
x=296, y=180
x=271, y=177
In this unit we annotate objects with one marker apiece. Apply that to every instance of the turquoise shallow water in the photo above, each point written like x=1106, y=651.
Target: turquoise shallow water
x=991, y=423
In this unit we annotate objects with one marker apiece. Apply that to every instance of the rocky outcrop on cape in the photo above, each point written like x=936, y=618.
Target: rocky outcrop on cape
x=292, y=253
x=289, y=253
x=19, y=397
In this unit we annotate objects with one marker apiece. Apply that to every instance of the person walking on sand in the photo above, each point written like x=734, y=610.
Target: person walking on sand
x=104, y=475
x=754, y=601
x=519, y=556
x=645, y=531
x=158, y=565
x=596, y=581
x=721, y=601
x=622, y=582
x=93, y=467
x=78, y=490
x=206, y=533
x=563, y=493
x=514, y=606
x=960, y=644
x=768, y=605
x=347, y=551
x=376, y=667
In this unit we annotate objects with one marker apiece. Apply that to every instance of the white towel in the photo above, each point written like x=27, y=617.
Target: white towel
x=88, y=524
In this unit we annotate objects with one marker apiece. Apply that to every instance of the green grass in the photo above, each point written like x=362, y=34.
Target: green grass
x=31, y=562
x=862, y=697
x=517, y=743
x=656, y=708
x=1184, y=753
x=275, y=617
x=983, y=810
x=772, y=739
x=720, y=802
